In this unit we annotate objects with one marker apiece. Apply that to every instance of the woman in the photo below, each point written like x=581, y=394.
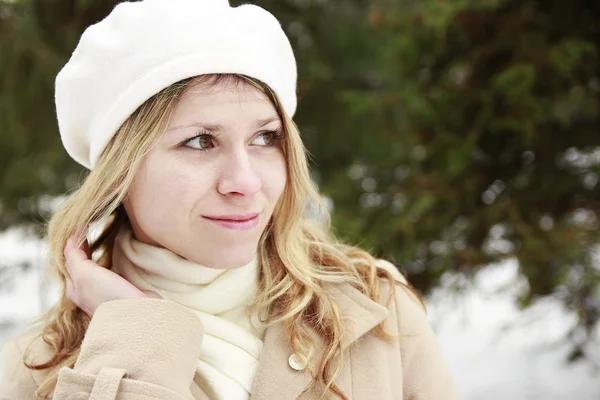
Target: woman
x=203, y=278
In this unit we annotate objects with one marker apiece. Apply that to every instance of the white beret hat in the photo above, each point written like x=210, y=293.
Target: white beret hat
x=143, y=47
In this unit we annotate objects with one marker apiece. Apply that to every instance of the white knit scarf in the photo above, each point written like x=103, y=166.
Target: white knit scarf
x=231, y=345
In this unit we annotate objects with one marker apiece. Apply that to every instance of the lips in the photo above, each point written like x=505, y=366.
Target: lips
x=233, y=217
x=235, y=222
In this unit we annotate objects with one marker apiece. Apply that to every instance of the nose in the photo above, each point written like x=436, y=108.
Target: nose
x=238, y=176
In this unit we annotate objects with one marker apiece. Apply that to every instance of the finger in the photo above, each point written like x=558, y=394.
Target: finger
x=70, y=290
x=68, y=265
x=68, y=246
x=72, y=243
x=75, y=262
x=78, y=255
x=68, y=262
x=72, y=295
x=85, y=247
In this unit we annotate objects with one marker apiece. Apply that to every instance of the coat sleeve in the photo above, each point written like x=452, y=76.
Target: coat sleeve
x=426, y=375
x=135, y=349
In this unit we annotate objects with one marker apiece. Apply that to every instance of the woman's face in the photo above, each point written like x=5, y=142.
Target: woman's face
x=207, y=189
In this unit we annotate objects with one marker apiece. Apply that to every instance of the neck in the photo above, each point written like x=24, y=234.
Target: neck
x=172, y=276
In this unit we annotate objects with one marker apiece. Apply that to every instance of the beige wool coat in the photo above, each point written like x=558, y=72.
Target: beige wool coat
x=147, y=349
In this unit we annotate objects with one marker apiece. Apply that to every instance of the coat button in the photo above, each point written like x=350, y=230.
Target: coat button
x=295, y=363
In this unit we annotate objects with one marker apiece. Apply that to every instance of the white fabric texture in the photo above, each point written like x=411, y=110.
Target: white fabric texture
x=143, y=47
x=231, y=345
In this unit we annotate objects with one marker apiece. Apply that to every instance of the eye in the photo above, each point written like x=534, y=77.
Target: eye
x=268, y=139
x=202, y=142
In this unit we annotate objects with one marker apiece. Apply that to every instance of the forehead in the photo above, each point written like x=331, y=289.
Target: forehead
x=230, y=105
x=224, y=93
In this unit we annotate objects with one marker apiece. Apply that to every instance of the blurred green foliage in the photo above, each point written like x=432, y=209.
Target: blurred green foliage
x=448, y=134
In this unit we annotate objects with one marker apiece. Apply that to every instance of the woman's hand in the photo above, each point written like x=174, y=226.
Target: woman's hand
x=89, y=285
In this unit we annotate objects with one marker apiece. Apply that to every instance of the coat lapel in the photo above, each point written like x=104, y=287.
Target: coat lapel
x=276, y=379
x=359, y=313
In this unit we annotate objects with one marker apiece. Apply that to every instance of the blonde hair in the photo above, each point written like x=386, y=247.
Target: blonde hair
x=298, y=257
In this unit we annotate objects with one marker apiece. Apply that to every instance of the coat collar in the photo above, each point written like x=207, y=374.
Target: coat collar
x=275, y=379
x=359, y=313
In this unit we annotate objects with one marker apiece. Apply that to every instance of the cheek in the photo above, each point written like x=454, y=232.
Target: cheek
x=274, y=179
x=161, y=192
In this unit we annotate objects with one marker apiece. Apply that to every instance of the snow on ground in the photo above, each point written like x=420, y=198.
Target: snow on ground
x=495, y=351
x=498, y=352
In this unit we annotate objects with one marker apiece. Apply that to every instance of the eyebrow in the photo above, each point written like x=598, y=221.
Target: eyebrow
x=218, y=128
